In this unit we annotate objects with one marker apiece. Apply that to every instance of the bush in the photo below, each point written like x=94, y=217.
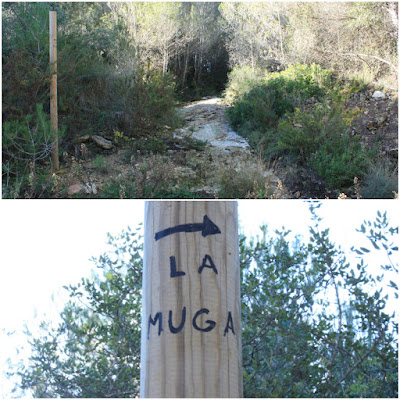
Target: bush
x=93, y=94
x=24, y=84
x=321, y=138
x=27, y=145
x=311, y=80
x=240, y=81
x=277, y=119
x=83, y=78
x=149, y=145
x=100, y=164
x=339, y=160
x=303, y=132
x=238, y=184
x=259, y=109
x=148, y=101
x=277, y=94
x=380, y=182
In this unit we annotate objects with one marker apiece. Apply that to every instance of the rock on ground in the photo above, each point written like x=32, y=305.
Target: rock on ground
x=102, y=143
x=226, y=151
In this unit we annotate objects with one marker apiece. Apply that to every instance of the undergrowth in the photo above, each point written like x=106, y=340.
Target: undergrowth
x=27, y=144
x=300, y=114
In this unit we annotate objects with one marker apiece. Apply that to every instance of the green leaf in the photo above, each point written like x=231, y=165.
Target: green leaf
x=393, y=285
x=374, y=244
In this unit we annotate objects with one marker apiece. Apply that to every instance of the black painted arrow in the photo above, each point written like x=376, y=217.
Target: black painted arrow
x=206, y=228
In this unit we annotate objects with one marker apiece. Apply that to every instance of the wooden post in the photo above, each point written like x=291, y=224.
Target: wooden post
x=191, y=334
x=53, y=86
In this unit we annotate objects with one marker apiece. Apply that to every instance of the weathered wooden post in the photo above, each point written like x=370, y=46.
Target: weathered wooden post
x=191, y=336
x=53, y=86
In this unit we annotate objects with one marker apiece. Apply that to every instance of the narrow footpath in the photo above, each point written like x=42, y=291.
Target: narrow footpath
x=226, y=154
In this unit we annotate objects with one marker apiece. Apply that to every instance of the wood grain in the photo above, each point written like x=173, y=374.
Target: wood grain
x=53, y=85
x=191, y=362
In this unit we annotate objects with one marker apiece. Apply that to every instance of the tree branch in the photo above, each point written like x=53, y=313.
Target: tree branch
x=363, y=55
x=340, y=319
x=257, y=334
x=118, y=394
x=350, y=370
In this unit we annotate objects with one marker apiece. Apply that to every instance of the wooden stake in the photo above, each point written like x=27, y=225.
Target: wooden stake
x=53, y=86
x=191, y=334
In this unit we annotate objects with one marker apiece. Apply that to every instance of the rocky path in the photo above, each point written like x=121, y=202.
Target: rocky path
x=220, y=166
x=227, y=154
x=206, y=158
x=206, y=120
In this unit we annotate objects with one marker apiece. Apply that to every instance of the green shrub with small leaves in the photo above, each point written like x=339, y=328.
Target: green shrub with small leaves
x=299, y=113
x=27, y=144
x=340, y=160
x=148, y=100
x=240, y=81
x=149, y=145
x=276, y=94
x=321, y=138
x=100, y=164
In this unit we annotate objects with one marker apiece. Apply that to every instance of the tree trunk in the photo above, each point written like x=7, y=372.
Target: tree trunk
x=165, y=60
x=393, y=10
x=186, y=60
x=281, y=37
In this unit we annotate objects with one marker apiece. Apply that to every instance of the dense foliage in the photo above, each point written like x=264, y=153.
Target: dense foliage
x=299, y=113
x=313, y=325
x=321, y=53
x=122, y=67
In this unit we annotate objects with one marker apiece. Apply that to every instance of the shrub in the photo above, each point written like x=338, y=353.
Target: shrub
x=321, y=138
x=240, y=81
x=277, y=94
x=310, y=80
x=303, y=132
x=380, y=181
x=339, y=160
x=149, y=145
x=259, y=109
x=83, y=78
x=26, y=146
x=148, y=100
x=100, y=164
x=25, y=58
x=238, y=184
x=24, y=84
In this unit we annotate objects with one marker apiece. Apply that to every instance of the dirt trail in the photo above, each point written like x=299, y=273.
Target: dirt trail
x=227, y=154
x=224, y=168
x=206, y=121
